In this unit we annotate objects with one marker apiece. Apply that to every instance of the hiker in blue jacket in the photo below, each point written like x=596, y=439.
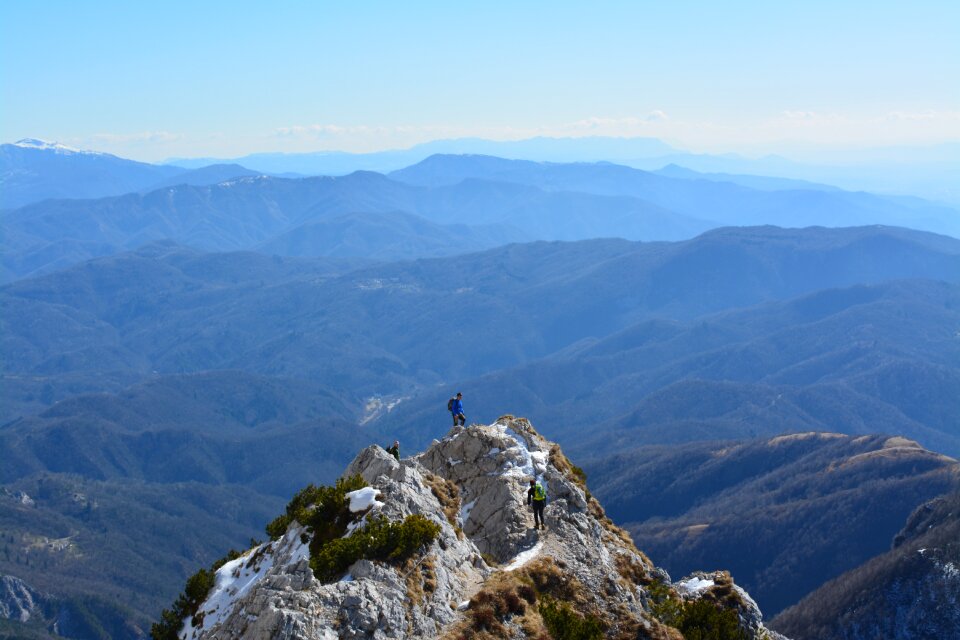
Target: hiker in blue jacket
x=455, y=405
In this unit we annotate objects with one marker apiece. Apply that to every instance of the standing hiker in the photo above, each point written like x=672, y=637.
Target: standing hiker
x=394, y=450
x=455, y=407
x=537, y=497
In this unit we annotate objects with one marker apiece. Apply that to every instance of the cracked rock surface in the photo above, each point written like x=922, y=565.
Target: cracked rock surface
x=485, y=528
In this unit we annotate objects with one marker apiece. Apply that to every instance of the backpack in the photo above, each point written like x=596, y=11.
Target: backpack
x=450, y=404
x=538, y=492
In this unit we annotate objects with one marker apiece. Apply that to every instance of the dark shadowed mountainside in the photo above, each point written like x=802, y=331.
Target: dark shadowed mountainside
x=109, y=554
x=910, y=591
x=224, y=427
x=812, y=505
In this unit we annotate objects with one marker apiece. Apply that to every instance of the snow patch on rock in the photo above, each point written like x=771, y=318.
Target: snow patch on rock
x=363, y=499
x=694, y=585
x=234, y=580
x=524, y=557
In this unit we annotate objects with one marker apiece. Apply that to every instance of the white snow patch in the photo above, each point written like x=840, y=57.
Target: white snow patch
x=533, y=463
x=363, y=499
x=56, y=147
x=377, y=406
x=233, y=581
x=539, y=459
x=465, y=510
x=300, y=552
x=524, y=557
x=494, y=451
x=694, y=585
x=463, y=605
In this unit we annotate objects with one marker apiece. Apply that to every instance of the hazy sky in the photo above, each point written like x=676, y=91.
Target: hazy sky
x=206, y=78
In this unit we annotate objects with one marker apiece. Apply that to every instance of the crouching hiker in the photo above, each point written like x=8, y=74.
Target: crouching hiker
x=394, y=450
x=455, y=407
x=537, y=497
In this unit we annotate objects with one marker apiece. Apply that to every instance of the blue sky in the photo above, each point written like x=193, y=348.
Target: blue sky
x=153, y=80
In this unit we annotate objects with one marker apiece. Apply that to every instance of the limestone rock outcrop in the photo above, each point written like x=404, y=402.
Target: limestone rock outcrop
x=473, y=484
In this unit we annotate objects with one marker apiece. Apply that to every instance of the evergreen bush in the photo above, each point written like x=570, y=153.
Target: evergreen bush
x=325, y=512
x=186, y=605
x=697, y=619
x=564, y=623
x=703, y=620
x=379, y=539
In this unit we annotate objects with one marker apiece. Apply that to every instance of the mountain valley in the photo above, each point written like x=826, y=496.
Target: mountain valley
x=196, y=354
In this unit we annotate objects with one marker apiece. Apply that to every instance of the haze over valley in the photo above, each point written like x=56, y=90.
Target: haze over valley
x=724, y=337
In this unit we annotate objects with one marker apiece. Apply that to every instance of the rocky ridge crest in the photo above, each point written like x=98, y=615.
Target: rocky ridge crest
x=487, y=574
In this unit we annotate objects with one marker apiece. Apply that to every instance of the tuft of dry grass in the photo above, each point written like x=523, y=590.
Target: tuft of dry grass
x=448, y=495
x=420, y=578
x=723, y=593
x=507, y=606
x=632, y=571
x=572, y=472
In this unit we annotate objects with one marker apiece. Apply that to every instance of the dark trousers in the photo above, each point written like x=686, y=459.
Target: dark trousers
x=459, y=417
x=538, y=506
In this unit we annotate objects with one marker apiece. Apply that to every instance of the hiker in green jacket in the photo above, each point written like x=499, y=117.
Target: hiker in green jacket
x=394, y=450
x=537, y=497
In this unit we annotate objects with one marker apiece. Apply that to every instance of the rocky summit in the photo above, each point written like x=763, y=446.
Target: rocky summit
x=486, y=573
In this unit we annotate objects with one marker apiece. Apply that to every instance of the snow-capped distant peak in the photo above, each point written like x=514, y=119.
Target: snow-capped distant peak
x=56, y=147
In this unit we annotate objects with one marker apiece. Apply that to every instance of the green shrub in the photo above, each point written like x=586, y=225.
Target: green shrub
x=666, y=605
x=232, y=555
x=564, y=623
x=697, y=619
x=185, y=606
x=704, y=620
x=326, y=510
x=379, y=539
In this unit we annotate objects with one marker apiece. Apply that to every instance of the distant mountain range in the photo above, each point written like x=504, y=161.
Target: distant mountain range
x=253, y=212
x=709, y=199
x=587, y=149
x=444, y=205
x=930, y=172
x=34, y=170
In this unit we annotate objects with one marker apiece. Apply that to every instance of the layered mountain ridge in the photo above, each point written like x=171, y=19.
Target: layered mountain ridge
x=443, y=205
